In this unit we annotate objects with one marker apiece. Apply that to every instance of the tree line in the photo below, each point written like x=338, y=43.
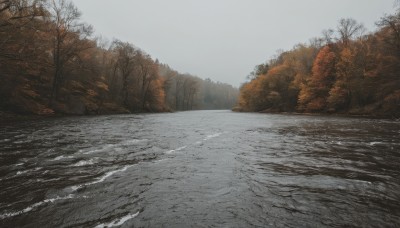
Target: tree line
x=345, y=71
x=188, y=92
x=51, y=63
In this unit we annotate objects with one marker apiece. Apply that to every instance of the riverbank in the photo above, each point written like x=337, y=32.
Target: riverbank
x=13, y=117
x=351, y=115
x=8, y=116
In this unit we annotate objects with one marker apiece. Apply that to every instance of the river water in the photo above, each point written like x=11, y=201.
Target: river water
x=200, y=169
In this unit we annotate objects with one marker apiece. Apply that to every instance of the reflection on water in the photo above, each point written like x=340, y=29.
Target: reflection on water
x=200, y=169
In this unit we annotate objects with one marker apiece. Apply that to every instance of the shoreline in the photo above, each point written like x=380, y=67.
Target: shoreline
x=348, y=115
x=6, y=116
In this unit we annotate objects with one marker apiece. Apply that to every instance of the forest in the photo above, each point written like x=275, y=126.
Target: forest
x=345, y=71
x=51, y=63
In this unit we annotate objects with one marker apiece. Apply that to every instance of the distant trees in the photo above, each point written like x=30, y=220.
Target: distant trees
x=187, y=92
x=50, y=63
x=350, y=73
x=134, y=79
x=216, y=95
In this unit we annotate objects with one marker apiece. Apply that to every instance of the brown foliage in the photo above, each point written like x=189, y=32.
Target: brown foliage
x=357, y=75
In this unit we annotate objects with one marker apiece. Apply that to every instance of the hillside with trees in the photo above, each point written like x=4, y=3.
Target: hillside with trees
x=347, y=71
x=51, y=63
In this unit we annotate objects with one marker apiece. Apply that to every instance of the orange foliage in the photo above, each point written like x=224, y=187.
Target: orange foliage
x=320, y=82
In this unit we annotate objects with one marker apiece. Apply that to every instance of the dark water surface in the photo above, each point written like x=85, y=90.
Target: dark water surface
x=200, y=169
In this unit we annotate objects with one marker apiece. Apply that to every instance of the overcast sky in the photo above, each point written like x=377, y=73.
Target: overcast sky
x=222, y=39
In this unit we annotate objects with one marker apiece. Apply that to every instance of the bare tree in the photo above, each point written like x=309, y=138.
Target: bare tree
x=393, y=23
x=126, y=58
x=349, y=28
x=147, y=72
x=68, y=36
x=327, y=35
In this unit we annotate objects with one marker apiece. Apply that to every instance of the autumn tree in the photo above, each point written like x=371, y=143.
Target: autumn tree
x=155, y=98
x=19, y=26
x=22, y=53
x=249, y=99
x=169, y=78
x=19, y=13
x=339, y=94
x=313, y=95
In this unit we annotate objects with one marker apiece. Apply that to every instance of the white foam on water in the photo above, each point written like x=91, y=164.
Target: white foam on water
x=208, y=137
x=22, y=141
x=336, y=142
x=19, y=164
x=158, y=161
x=115, y=146
x=62, y=157
x=178, y=149
x=83, y=163
x=133, y=141
x=5, y=140
x=102, y=178
x=374, y=143
x=104, y=148
x=22, y=172
x=28, y=170
x=119, y=221
x=35, y=205
x=47, y=180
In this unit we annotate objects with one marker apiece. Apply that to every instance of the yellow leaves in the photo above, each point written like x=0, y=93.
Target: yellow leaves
x=346, y=54
x=338, y=96
x=304, y=97
x=76, y=85
x=46, y=111
x=27, y=91
x=314, y=93
x=102, y=85
x=324, y=64
x=317, y=104
x=91, y=93
x=30, y=93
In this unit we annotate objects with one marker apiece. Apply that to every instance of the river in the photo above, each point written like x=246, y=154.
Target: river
x=200, y=169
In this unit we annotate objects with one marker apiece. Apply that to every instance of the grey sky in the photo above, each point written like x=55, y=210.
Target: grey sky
x=222, y=39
